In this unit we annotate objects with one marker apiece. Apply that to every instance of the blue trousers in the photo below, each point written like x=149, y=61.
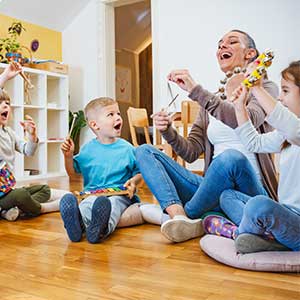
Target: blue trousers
x=173, y=184
x=259, y=214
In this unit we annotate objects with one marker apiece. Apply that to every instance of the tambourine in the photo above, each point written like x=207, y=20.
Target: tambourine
x=262, y=62
x=234, y=78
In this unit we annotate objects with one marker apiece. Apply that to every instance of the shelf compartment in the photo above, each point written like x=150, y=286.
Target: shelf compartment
x=14, y=90
x=55, y=159
x=36, y=163
x=57, y=92
x=16, y=115
x=37, y=95
x=39, y=117
x=56, y=124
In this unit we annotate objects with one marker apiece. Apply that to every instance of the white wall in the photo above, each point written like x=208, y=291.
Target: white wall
x=85, y=50
x=185, y=35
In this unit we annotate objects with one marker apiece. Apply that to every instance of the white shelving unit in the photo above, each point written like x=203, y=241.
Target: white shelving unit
x=48, y=106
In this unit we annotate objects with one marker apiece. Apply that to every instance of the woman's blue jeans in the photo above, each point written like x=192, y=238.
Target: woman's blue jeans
x=259, y=214
x=173, y=184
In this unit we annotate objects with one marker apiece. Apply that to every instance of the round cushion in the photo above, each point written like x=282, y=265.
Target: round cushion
x=223, y=250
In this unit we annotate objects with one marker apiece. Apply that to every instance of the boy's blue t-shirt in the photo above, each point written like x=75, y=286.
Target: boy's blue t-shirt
x=106, y=165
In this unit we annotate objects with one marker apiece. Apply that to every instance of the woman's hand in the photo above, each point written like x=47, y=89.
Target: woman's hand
x=162, y=120
x=183, y=79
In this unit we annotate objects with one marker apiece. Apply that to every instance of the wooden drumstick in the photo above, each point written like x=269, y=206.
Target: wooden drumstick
x=72, y=125
x=30, y=85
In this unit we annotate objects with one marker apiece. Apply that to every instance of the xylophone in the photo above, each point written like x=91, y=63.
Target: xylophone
x=110, y=191
x=7, y=179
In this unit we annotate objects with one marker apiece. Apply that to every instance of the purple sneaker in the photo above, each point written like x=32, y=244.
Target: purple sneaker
x=218, y=225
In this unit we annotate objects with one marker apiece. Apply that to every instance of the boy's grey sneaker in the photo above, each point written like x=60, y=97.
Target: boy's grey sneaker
x=249, y=243
x=181, y=228
x=71, y=216
x=10, y=215
x=97, y=229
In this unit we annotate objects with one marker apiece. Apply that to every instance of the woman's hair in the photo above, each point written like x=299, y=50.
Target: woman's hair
x=293, y=70
x=250, y=41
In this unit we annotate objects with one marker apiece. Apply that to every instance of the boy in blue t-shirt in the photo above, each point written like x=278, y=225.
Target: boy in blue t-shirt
x=105, y=161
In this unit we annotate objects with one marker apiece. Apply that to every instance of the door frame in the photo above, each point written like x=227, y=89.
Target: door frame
x=108, y=56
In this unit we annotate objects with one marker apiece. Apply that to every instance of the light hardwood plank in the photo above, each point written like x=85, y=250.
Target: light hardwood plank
x=38, y=262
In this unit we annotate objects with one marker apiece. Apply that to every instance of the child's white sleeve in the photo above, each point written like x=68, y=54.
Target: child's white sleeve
x=286, y=122
x=25, y=147
x=270, y=142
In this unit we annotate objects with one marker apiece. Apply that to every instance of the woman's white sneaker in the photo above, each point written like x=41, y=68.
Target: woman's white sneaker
x=181, y=228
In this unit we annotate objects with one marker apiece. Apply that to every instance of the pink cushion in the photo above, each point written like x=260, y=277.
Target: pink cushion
x=223, y=250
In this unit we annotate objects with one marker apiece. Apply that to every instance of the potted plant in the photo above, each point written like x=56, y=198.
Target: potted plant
x=80, y=122
x=10, y=48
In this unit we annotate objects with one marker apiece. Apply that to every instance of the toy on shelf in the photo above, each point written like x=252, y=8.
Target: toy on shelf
x=262, y=62
x=110, y=191
x=7, y=179
x=28, y=83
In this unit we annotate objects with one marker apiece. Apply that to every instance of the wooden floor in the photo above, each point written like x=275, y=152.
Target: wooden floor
x=37, y=261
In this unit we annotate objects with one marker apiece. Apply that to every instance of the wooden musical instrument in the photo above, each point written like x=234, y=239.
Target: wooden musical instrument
x=110, y=191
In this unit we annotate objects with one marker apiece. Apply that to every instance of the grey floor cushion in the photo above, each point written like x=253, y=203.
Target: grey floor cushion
x=223, y=250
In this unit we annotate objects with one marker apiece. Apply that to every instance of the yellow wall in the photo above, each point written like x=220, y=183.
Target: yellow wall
x=50, y=41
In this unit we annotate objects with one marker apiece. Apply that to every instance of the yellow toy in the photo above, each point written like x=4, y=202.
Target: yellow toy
x=263, y=61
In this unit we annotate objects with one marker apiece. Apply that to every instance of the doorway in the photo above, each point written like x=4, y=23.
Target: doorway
x=133, y=59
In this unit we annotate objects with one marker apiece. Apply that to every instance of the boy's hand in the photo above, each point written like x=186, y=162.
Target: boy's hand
x=162, y=120
x=131, y=187
x=67, y=147
x=183, y=79
x=29, y=126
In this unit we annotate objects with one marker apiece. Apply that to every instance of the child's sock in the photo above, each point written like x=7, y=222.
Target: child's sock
x=57, y=194
x=10, y=215
x=50, y=206
x=218, y=225
x=153, y=214
x=53, y=203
